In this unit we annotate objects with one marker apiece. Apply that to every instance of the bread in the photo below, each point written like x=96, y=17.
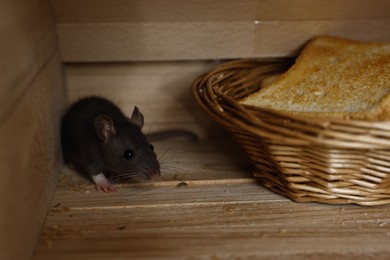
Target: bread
x=334, y=78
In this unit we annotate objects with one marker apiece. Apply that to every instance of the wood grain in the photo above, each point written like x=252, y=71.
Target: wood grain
x=31, y=95
x=282, y=10
x=125, y=30
x=30, y=162
x=207, y=220
x=287, y=38
x=163, y=11
x=28, y=41
x=204, y=40
x=161, y=90
x=154, y=41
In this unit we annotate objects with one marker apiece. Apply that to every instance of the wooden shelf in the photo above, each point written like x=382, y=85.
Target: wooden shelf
x=211, y=219
x=207, y=204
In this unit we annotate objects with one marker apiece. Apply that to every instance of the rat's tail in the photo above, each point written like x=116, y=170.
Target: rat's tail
x=171, y=134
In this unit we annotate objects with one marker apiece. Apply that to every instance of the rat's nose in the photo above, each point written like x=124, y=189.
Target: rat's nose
x=155, y=177
x=155, y=174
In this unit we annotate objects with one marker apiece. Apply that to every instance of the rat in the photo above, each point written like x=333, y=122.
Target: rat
x=99, y=140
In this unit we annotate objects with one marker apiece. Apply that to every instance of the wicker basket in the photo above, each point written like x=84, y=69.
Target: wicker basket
x=306, y=159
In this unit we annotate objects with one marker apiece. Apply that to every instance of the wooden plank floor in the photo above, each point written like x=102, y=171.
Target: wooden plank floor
x=207, y=205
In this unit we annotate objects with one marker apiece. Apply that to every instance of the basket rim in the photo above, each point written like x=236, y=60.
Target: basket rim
x=220, y=107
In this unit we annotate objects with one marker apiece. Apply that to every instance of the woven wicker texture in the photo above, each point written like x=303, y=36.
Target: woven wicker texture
x=330, y=161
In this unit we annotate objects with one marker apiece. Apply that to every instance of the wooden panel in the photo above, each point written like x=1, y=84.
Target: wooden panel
x=361, y=9
x=138, y=11
x=30, y=103
x=203, y=40
x=126, y=30
x=286, y=38
x=281, y=10
x=161, y=90
x=208, y=220
x=162, y=11
x=28, y=41
x=155, y=41
x=30, y=159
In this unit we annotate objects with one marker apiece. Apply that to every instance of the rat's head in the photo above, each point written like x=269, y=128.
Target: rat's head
x=127, y=153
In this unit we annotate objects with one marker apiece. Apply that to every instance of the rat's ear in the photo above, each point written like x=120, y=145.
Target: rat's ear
x=104, y=127
x=137, y=118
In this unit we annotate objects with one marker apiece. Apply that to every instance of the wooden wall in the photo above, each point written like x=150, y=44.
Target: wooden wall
x=31, y=98
x=127, y=30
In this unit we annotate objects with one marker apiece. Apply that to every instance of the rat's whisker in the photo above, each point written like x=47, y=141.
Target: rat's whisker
x=161, y=156
x=123, y=177
x=168, y=151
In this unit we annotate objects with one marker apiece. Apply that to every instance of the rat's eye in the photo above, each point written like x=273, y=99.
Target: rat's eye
x=152, y=147
x=128, y=154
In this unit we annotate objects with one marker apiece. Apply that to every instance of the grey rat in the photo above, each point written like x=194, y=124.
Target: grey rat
x=100, y=141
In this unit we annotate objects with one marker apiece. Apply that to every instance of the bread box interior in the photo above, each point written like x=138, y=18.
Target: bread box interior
x=207, y=203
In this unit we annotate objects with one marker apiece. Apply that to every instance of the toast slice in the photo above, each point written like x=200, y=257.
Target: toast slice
x=334, y=78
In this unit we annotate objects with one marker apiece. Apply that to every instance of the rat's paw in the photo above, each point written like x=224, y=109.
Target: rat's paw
x=102, y=184
x=106, y=188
